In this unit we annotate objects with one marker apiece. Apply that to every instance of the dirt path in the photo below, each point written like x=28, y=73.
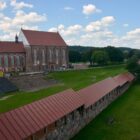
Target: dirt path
x=5, y=97
x=32, y=82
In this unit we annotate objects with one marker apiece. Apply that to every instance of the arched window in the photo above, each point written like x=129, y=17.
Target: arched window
x=35, y=56
x=12, y=60
x=18, y=60
x=15, y=61
x=43, y=57
x=9, y=61
x=57, y=56
x=64, y=56
x=50, y=54
x=6, y=61
x=0, y=61
x=21, y=60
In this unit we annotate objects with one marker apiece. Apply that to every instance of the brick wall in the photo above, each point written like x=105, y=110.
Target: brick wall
x=42, y=58
x=10, y=62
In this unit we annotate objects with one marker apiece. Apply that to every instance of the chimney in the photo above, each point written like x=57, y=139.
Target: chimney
x=16, y=38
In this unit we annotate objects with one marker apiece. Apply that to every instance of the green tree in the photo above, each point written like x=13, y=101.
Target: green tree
x=100, y=57
x=131, y=53
x=115, y=54
x=133, y=66
x=126, y=53
x=86, y=56
x=74, y=56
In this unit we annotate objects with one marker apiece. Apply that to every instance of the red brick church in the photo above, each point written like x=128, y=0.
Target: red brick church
x=34, y=51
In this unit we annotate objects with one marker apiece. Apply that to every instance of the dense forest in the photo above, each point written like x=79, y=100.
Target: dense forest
x=100, y=56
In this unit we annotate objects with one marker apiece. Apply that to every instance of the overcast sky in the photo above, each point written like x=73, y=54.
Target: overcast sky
x=80, y=22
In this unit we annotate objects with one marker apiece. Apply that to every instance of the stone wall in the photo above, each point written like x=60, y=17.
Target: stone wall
x=69, y=125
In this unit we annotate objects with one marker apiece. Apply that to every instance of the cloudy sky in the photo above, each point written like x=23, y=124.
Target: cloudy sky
x=80, y=22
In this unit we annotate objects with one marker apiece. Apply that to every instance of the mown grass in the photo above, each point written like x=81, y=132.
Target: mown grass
x=69, y=79
x=82, y=78
x=126, y=113
x=21, y=98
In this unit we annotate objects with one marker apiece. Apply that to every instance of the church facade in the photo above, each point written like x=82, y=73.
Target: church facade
x=34, y=51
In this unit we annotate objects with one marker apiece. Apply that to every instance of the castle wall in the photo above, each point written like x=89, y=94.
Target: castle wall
x=68, y=126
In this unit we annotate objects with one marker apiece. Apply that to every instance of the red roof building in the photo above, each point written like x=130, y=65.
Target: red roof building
x=93, y=93
x=12, y=56
x=123, y=78
x=24, y=121
x=130, y=76
x=44, y=116
x=45, y=50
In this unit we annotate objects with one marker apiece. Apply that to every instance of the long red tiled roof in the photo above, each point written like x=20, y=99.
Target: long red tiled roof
x=44, y=38
x=124, y=78
x=130, y=76
x=11, y=47
x=27, y=120
x=93, y=93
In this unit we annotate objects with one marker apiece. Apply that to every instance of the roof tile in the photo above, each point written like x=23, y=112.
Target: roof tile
x=38, y=115
x=123, y=78
x=44, y=38
x=11, y=47
x=94, y=92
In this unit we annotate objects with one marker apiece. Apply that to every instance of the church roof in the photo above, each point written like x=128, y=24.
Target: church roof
x=11, y=47
x=44, y=38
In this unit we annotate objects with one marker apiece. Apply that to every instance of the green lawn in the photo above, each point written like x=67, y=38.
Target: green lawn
x=82, y=78
x=21, y=98
x=126, y=114
x=69, y=79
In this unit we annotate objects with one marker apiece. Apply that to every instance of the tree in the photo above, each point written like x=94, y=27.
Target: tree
x=131, y=53
x=133, y=66
x=74, y=56
x=126, y=53
x=100, y=57
x=89, y=54
x=86, y=56
x=115, y=54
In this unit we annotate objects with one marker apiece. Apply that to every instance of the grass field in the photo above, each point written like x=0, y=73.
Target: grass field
x=68, y=79
x=126, y=114
x=81, y=78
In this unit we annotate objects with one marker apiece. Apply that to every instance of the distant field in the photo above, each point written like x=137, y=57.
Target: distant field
x=68, y=79
x=126, y=114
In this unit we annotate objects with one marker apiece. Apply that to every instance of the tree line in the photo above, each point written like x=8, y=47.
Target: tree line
x=133, y=64
x=99, y=56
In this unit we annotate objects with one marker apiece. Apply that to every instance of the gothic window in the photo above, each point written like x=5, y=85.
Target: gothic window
x=64, y=56
x=22, y=61
x=50, y=54
x=6, y=61
x=12, y=60
x=43, y=57
x=18, y=60
x=0, y=61
x=57, y=56
x=35, y=56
